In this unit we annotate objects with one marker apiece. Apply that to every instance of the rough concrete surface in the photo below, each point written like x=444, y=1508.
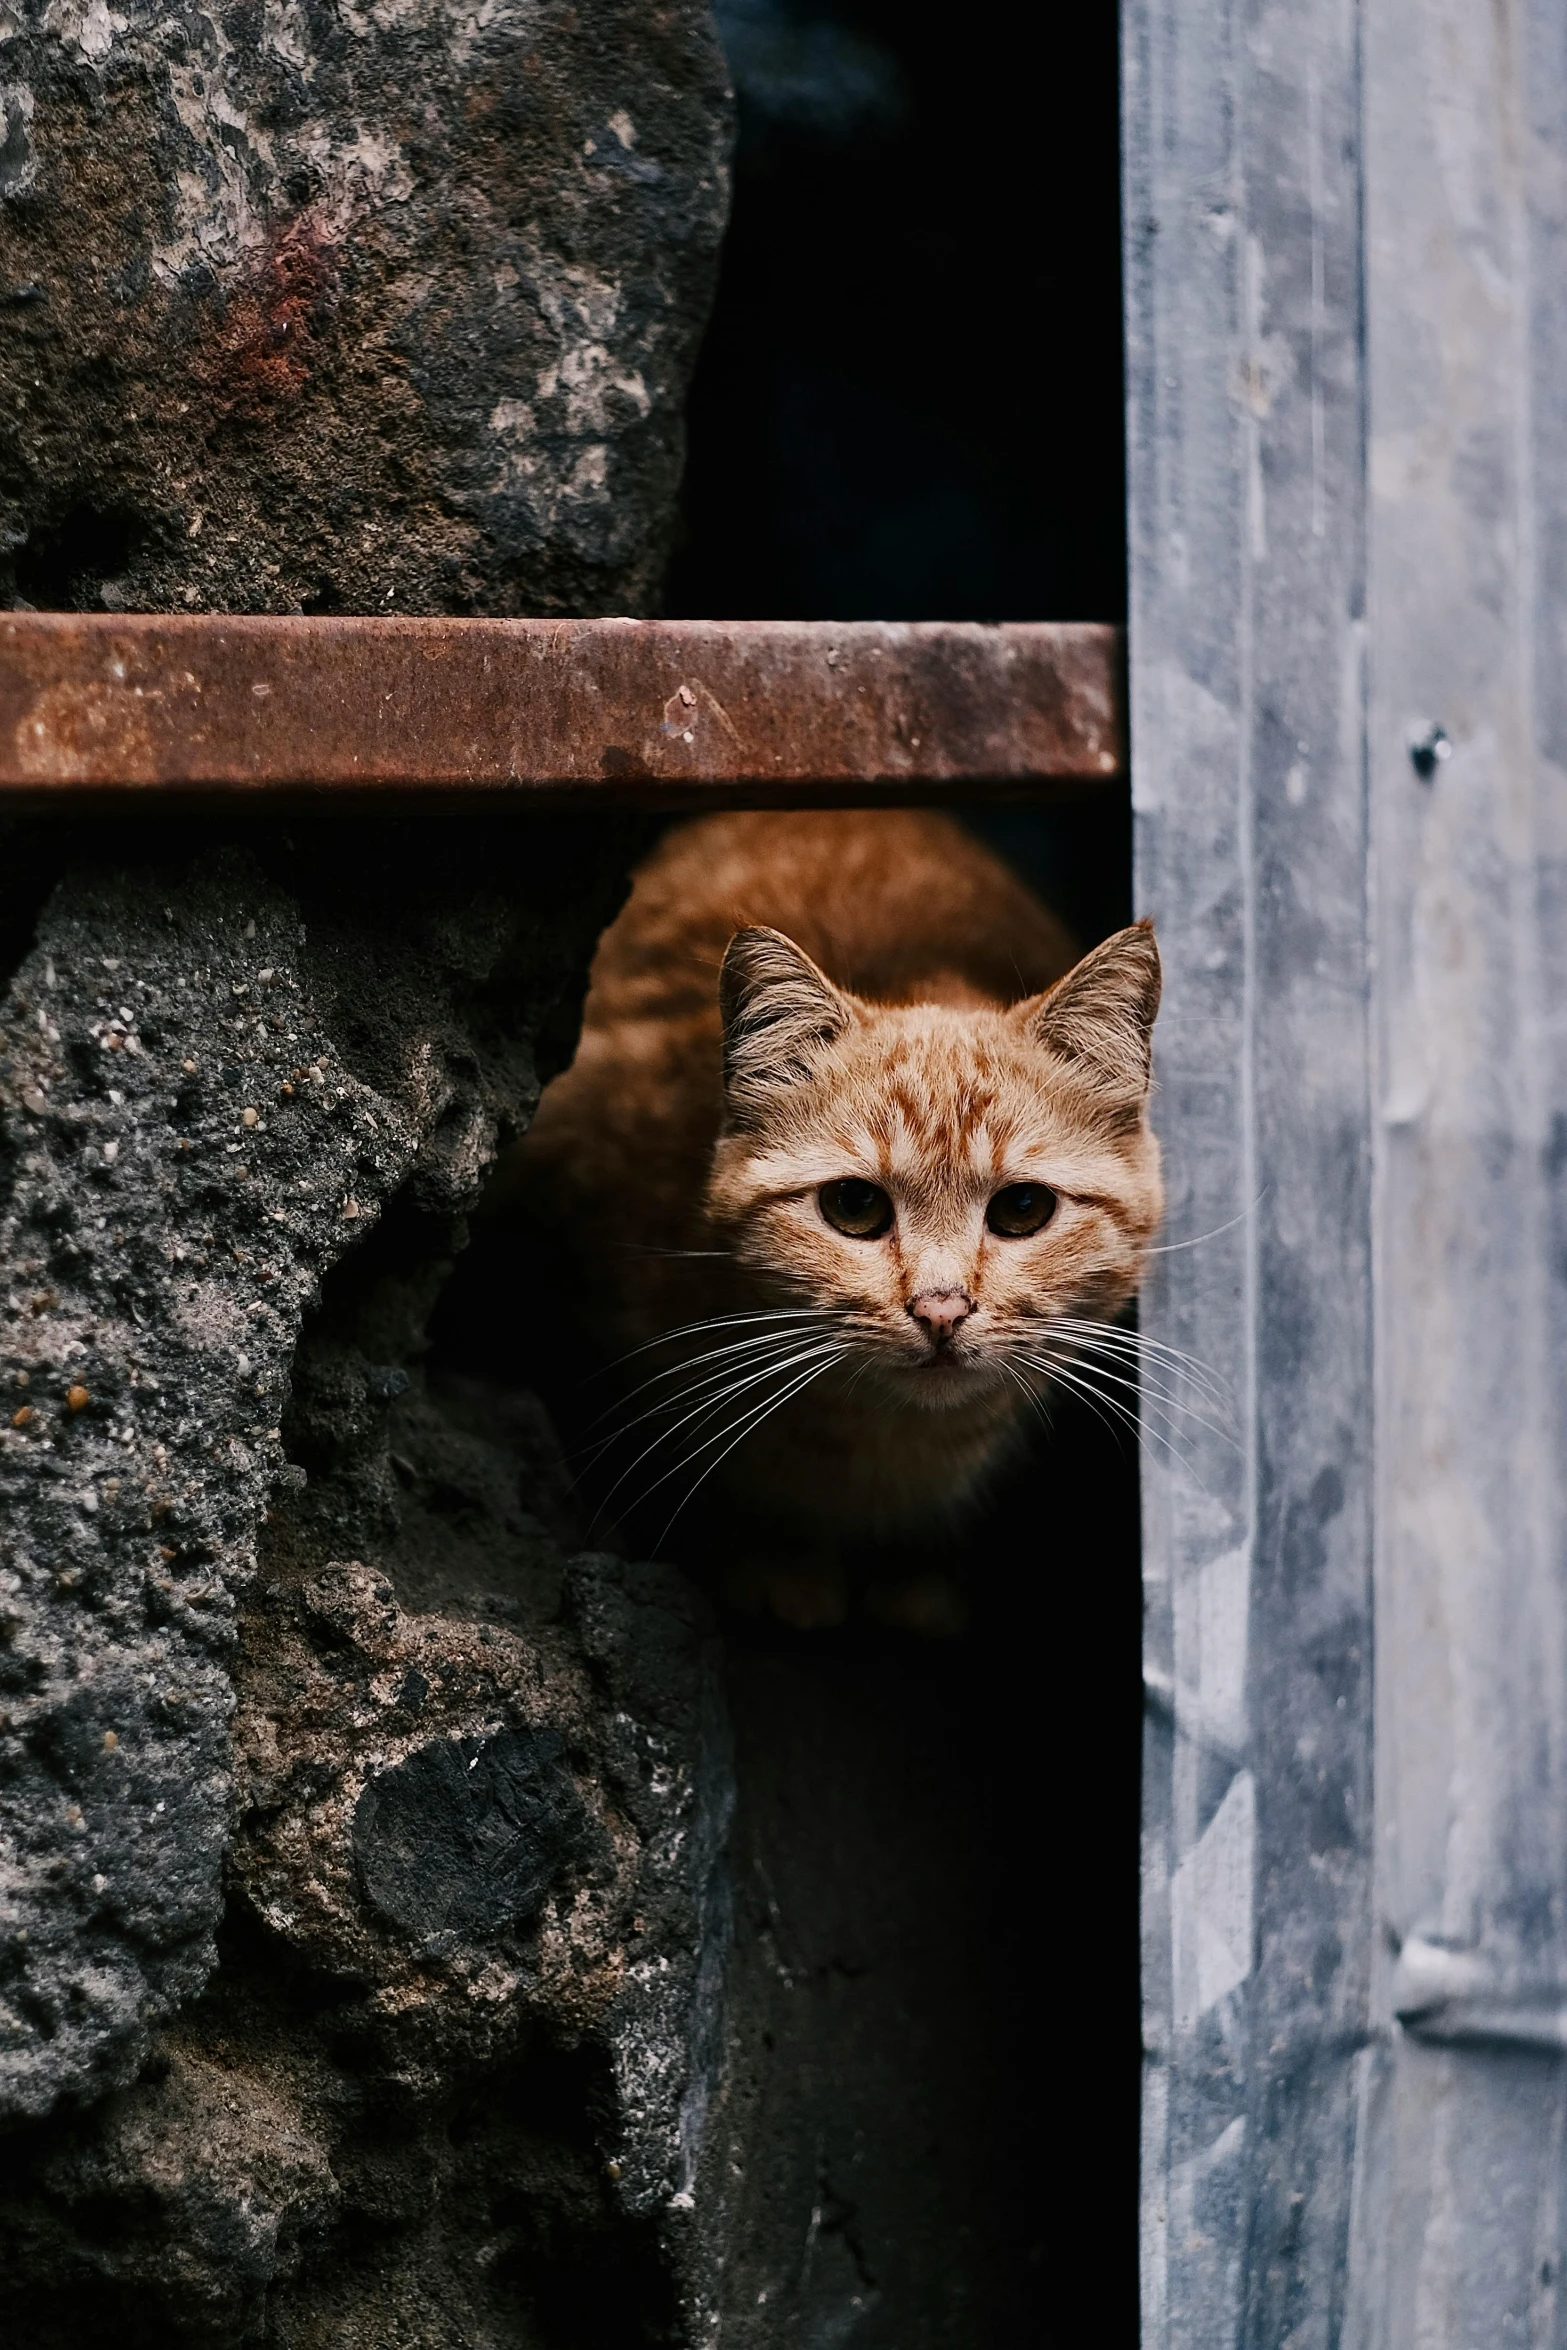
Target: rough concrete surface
x=266, y=1586
x=313, y=307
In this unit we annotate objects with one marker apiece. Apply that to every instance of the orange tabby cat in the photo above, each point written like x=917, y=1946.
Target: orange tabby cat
x=852, y=1162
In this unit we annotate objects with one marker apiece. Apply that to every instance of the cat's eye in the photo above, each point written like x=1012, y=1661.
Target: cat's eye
x=862, y=1210
x=1021, y=1208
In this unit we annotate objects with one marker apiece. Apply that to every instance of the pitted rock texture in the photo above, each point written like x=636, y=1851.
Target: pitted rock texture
x=498, y=1823
x=464, y=1618
x=184, y=1151
x=314, y=307
x=364, y=1907
x=434, y=2131
x=409, y=1800
x=168, y=1209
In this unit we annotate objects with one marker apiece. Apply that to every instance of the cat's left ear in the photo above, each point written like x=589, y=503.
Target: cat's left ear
x=1101, y=1014
x=779, y=1012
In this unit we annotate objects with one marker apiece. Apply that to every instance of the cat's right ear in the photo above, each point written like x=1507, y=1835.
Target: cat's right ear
x=1101, y=1014
x=779, y=1014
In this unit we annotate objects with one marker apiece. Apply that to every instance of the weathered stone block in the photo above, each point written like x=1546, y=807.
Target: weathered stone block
x=466, y=1835
x=362, y=1901
x=314, y=307
x=338, y=1800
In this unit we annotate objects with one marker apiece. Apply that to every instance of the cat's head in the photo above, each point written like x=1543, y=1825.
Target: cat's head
x=943, y=1184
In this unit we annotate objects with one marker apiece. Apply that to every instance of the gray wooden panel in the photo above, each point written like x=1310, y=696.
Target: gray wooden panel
x=1186, y=520
x=1246, y=405
x=1356, y=2109
x=1467, y=302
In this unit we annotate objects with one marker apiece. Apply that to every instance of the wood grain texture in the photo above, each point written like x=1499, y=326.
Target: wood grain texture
x=1241, y=130
x=1461, y=2233
x=1347, y=245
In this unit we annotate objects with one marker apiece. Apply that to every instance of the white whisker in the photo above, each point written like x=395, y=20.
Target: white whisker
x=1094, y=1401
x=755, y=1411
x=1148, y=1388
x=724, y=1379
x=1170, y=1384
x=714, y=1404
x=1165, y=1358
x=1169, y=1247
x=721, y=1379
x=637, y=1248
x=758, y=1343
x=1030, y=1395
x=712, y=1322
x=763, y=1413
x=1078, y=1377
x=1149, y=1385
x=1136, y=1342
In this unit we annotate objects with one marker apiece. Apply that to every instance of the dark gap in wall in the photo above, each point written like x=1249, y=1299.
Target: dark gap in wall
x=75, y=564
x=29, y=868
x=935, y=1963
x=909, y=406
x=935, y=1971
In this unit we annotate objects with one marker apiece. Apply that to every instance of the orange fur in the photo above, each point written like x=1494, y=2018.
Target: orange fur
x=788, y=1001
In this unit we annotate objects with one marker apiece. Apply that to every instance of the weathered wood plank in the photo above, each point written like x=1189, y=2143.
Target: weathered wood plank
x=1467, y=302
x=1353, y=829
x=630, y=712
x=1241, y=128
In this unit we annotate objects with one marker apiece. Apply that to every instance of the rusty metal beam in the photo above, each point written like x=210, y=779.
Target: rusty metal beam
x=668, y=713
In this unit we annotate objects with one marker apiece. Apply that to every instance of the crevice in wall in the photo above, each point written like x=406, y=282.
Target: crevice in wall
x=931, y=1833
x=76, y=559
x=29, y=866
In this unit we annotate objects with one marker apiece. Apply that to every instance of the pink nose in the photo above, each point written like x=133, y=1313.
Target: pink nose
x=939, y=1312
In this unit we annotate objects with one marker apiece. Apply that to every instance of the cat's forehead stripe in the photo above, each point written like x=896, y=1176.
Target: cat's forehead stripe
x=943, y=1107
x=930, y=1165
x=940, y=1120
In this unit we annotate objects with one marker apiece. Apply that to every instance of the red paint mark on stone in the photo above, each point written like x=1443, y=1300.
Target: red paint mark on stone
x=263, y=351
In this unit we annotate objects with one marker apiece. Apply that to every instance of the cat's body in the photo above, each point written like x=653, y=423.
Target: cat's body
x=784, y=1146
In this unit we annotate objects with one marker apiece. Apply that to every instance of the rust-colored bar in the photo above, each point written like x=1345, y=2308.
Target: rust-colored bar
x=635, y=712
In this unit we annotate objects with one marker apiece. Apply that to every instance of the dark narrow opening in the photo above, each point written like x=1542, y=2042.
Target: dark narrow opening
x=75, y=562
x=909, y=406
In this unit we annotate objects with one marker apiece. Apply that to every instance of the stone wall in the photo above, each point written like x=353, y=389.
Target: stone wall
x=362, y=1897
x=308, y=307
